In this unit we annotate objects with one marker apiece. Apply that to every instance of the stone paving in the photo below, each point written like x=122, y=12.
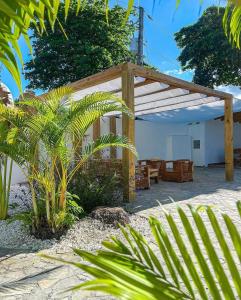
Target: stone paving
x=208, y=188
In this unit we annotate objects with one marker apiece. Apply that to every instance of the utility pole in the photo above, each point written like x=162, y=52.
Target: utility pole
x=140, y=36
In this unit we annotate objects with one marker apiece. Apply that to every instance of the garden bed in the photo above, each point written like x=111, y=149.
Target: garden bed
x=86, y=233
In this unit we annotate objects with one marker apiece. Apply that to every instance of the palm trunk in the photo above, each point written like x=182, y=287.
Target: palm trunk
x=5, y=185
x=35, y=205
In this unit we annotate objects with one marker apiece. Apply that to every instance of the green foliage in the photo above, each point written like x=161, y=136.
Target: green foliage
x=95, y=189
x=39, y=140
x=63, y=220
x=16, y=18
x=199, y=266
x=6, y=167
x=92, y=46
x=206, y=50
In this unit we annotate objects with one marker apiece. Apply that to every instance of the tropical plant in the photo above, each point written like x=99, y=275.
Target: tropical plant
x=92, y=46
x=206, y=50
x=192, y=261
x=16, y=17
x=6, y=167
x=40, y=141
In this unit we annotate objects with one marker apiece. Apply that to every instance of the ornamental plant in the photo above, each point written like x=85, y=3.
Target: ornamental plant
x=45, y=139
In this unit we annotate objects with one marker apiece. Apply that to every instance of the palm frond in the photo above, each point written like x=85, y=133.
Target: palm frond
x=103, y=142
x=187, y=263
x=232, y=22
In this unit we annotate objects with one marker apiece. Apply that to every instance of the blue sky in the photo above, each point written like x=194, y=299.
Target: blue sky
x=160, y=48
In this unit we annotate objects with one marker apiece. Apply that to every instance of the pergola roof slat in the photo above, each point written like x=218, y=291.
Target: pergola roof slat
x=181, y=105
x=173, y=93
x=169, y=101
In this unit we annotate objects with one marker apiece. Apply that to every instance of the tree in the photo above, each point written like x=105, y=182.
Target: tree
x=16, y=17
x=92, y=45
x=38, y=140
x=207, y=51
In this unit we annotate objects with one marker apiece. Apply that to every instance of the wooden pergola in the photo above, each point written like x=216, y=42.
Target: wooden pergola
x=146, y=92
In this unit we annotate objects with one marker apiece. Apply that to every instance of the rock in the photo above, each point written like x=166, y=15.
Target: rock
x=110, y=215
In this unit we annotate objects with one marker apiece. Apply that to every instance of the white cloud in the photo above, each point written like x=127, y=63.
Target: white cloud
x=235, y=90
x=174, y=72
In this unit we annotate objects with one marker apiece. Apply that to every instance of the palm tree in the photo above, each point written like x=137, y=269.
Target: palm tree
x=16, y=17
x=189, y=259
x=41, y=135
x=5, y=174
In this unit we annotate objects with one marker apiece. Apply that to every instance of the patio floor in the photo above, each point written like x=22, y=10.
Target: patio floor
x=208, y=187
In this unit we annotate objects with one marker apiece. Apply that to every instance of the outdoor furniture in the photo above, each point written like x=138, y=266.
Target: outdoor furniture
x=142, y=177
x=155, y=167
x=181, y=170
x=237, y=157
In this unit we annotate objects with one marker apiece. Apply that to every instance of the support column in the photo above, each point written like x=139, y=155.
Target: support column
x=113, y=150
x=228, y=135
x=128, y=130
x=96, y=134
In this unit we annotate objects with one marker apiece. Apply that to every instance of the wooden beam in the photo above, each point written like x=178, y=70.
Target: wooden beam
x=228, y=134
x=96, y=79
x=113, y=150
x=96, y=134
x=128, y=130
x=176, y=82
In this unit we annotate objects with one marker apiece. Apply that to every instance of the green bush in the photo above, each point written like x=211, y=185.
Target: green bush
x=95, y=189
x=63, y=221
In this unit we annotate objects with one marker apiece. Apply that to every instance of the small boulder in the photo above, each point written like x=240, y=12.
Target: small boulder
x=111, y=215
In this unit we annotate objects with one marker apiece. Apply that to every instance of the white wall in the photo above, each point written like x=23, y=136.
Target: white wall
x=197, y=131
x=17, y=174
x=151, y=138
x=215, y=140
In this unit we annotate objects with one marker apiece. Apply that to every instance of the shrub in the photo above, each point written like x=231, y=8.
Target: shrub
x=62, y=221
x=97, y=187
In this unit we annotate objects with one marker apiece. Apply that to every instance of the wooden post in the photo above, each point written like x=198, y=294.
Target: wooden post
x=113, y=150
x=96, y=134
x=228, y=133
x=128, y=130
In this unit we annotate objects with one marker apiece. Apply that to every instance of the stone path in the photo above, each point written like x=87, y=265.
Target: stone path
x=208, y=188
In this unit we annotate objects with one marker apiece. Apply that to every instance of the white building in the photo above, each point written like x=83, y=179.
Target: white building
x=184, y=133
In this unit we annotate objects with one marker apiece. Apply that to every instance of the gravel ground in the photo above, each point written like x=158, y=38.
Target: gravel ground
x=86, y=233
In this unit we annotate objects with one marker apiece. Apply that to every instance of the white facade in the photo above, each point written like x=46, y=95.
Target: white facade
x=202, y=142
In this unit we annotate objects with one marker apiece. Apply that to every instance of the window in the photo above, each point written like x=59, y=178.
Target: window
x=196, y=144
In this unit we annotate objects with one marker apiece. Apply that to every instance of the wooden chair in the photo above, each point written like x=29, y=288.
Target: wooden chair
x=142, y=177
x=237, y=157
x=155, y=165
x=181, y=171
